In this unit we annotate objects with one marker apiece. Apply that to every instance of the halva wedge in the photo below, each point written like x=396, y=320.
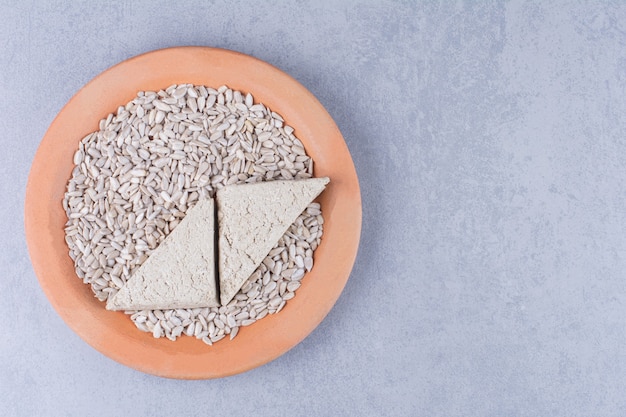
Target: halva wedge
x=180, y=272
x=251, y=219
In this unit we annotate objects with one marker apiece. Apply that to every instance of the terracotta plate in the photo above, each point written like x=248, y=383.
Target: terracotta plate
x=113, y=333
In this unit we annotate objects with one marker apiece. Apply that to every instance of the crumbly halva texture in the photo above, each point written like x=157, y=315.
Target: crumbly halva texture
x=251, y=219
x=180, y=273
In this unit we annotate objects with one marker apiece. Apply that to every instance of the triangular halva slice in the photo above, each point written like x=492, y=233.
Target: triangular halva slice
x=251, y=219
x=180, y=272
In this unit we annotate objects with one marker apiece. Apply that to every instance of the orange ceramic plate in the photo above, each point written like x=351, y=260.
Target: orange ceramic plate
x=113, y=333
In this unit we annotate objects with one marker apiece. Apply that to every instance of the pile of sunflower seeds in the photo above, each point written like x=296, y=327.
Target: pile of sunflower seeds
x=151, y=161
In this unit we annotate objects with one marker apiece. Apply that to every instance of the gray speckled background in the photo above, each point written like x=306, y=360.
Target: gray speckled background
x=490, y=142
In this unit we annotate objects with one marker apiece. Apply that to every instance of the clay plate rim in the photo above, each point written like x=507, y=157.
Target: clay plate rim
x=112, y=333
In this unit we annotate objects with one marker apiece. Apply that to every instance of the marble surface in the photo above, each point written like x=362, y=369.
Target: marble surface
x=490, y=143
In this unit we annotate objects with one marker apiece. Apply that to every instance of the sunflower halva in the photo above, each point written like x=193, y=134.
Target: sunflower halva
x=251, y=218
x=180, y=273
